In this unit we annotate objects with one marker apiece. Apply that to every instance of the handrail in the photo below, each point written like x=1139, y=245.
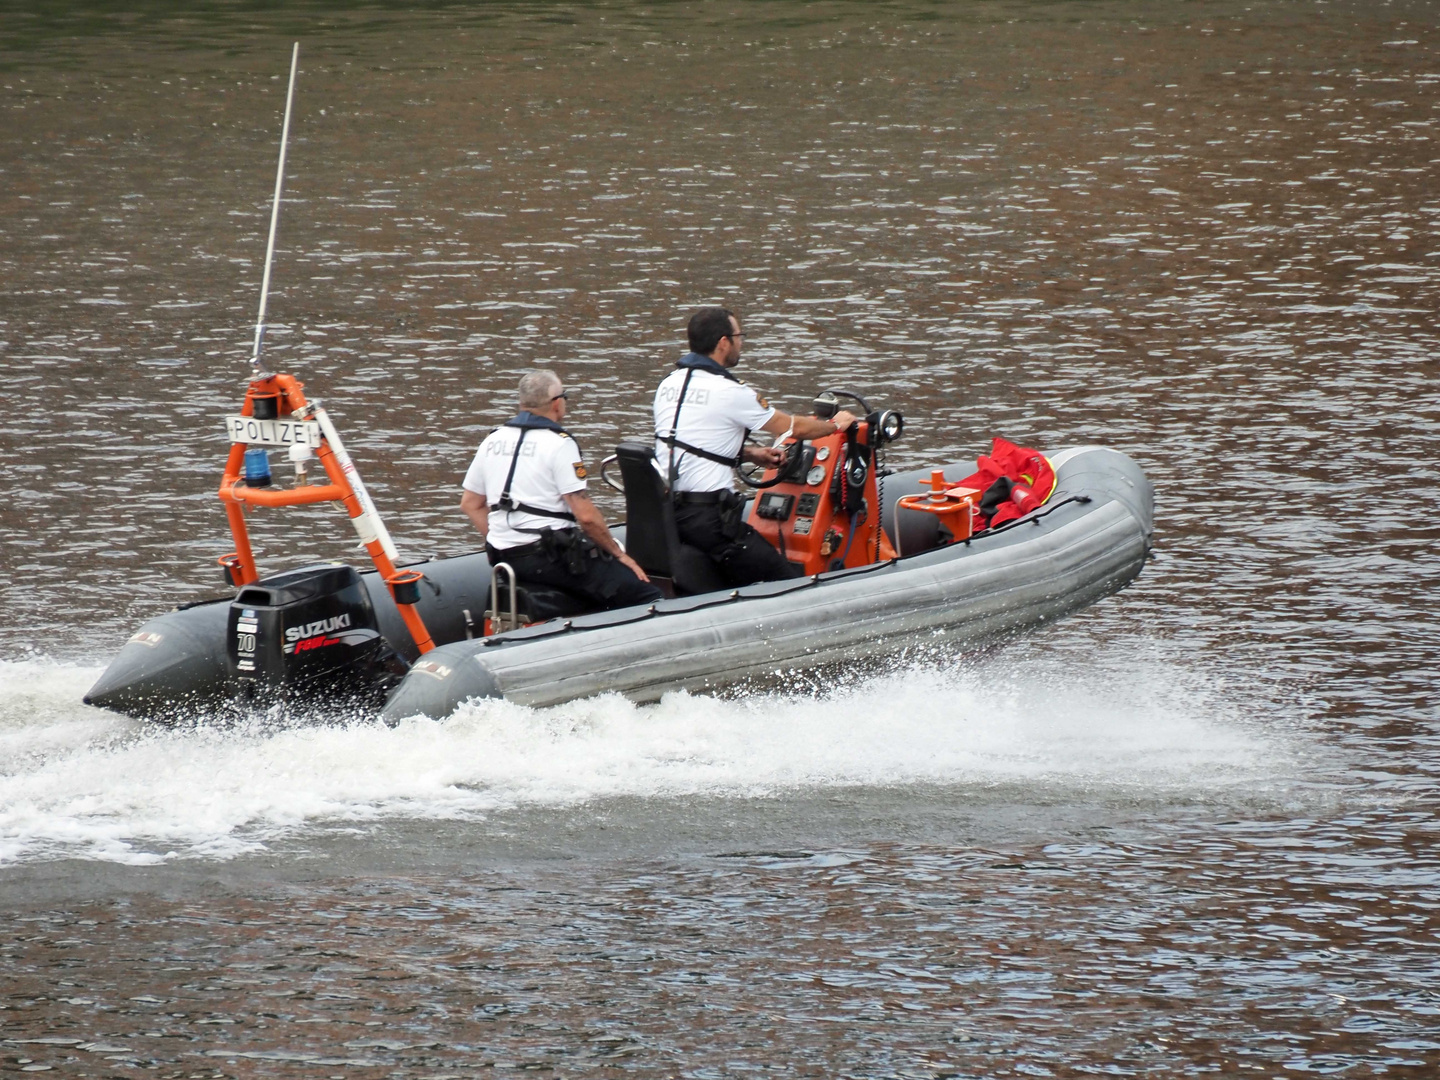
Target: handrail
x=605, y=464
x=495, y=596
x=237, y=491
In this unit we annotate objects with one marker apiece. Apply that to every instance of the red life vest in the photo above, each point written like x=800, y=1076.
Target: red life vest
x=1032, y=480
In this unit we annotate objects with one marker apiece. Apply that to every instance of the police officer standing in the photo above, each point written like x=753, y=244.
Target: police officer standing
x=703, y=415
x=525, y=492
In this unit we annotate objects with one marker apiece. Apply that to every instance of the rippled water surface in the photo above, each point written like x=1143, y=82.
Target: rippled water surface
x=1189, y=831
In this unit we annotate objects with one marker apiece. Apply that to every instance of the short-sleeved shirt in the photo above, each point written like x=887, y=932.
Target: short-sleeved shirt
x=716, y=415
x=549, y=467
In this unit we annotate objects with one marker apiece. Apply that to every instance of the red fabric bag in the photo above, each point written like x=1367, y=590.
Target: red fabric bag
x=1031, y=481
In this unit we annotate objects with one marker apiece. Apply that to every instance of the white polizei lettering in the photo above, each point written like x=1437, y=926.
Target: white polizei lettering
x=504, y=449
x=247, y=429
x=693, y=396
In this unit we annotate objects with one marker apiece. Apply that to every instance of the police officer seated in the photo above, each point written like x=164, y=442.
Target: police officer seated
x=525, y=493
x=703, y=415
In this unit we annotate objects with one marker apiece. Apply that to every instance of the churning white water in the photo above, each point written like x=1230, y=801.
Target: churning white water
x=76, y=781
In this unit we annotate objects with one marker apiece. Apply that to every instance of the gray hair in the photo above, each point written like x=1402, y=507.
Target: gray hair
x=537, y=388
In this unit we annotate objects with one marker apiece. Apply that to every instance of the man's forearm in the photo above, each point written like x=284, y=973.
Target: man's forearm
x=587, y=516
x=596, y=529
x=808, y=427
x=758, y=455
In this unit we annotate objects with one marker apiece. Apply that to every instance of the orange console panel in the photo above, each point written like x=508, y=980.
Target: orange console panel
x=818, y=517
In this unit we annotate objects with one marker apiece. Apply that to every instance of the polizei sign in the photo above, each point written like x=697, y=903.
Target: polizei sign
x=246, y=429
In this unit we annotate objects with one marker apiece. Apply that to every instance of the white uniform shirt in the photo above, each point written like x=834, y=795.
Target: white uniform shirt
x=549, y=467
x=716, y=414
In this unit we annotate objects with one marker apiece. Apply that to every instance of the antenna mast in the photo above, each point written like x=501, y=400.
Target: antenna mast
x=260, y=371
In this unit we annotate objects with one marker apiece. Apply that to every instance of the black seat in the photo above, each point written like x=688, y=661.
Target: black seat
x=540, y=601
x=650, y=536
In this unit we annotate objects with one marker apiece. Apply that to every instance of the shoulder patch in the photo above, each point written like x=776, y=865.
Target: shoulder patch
x=580, y=473
x=763, y=403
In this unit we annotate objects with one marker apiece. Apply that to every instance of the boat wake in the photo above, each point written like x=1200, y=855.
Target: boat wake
x=84, y=783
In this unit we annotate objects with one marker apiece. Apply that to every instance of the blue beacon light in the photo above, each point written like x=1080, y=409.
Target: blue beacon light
x=257, y=468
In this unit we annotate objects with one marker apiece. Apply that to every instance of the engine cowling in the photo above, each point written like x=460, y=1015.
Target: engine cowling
x=308, y=633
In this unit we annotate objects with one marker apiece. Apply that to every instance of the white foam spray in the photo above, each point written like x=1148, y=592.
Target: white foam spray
x=82, y=782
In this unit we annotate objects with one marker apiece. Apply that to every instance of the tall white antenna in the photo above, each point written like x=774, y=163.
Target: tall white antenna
x=274, y=217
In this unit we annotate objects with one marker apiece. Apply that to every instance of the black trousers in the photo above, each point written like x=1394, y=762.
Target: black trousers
x=603, y=580
x=743, y=559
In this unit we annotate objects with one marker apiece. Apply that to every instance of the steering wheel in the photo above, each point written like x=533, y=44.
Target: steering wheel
x=782, y=472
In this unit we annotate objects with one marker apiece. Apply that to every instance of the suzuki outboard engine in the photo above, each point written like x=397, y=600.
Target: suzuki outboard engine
x=305, y=633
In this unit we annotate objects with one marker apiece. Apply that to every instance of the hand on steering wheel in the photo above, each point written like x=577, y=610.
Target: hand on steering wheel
x=782, y=471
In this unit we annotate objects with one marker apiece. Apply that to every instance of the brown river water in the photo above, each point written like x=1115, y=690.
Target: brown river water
x=1189, y=831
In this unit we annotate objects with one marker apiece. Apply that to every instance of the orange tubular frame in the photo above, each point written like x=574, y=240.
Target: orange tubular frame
x=236, y=496
x=952, y=504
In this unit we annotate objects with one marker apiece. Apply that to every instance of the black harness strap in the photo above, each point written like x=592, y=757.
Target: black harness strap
x=673, y=471
x=505, y=502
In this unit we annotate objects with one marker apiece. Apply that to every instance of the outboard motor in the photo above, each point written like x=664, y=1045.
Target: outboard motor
x=308, y=632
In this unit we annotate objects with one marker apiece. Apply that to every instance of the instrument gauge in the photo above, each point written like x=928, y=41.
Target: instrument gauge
x=816, y=475
x=822, y=453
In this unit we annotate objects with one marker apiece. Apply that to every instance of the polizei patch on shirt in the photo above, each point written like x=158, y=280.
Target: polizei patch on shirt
x=580, y=473
x=695, y=395
x=501, y=448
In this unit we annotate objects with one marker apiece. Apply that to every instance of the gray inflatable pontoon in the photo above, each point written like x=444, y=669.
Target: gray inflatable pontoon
x=1090, y=539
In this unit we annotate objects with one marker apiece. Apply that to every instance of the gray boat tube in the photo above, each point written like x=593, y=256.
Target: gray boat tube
x=1089, y=540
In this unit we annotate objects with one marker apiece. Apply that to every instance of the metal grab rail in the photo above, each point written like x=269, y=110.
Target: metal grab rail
x=604, y=465
x=495, y=619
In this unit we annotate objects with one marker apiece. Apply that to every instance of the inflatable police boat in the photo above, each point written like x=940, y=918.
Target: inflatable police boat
x=881, y=559
x=884, y=559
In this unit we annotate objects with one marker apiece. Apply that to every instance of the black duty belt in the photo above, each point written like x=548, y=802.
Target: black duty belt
x=501, y=554
x=699, y=496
